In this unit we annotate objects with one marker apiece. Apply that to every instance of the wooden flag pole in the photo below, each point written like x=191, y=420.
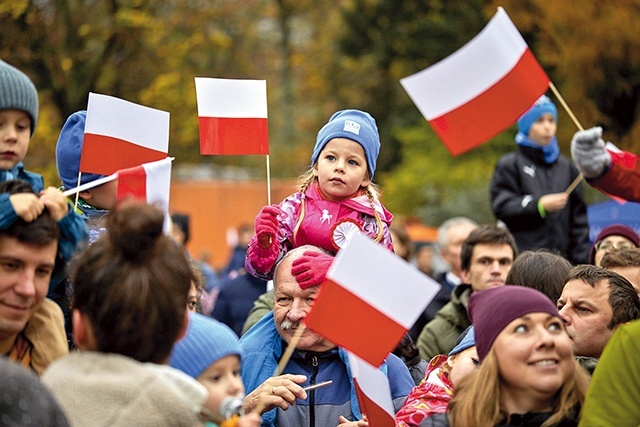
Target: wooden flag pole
x=289, y=350
x=268, y=181
x=555, y=91
x=283, y=362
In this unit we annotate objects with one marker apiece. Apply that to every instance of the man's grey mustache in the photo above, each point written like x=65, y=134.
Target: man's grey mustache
x=288, y=324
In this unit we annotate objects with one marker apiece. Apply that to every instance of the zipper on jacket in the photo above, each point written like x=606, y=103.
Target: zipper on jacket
x=312, y=393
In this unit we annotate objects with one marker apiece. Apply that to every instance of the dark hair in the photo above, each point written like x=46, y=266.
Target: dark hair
x=133, y=285
x=621, y=258
x=407, y=351
x=623, y=298
x=541, y=270
x=40, y=232
x=485, y=234
x=182, y=222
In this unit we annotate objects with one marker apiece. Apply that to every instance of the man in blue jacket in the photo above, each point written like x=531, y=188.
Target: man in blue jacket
x=314, y=360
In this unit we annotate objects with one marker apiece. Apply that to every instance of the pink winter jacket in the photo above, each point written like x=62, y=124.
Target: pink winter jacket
x=432, y=396
x=326, y=224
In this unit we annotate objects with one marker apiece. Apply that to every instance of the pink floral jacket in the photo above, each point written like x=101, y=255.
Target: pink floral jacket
x=432, y=396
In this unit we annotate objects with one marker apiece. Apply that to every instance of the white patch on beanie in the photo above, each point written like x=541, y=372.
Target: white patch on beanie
x=351, y=126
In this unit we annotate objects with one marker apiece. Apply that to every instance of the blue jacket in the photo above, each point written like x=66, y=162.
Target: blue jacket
x=73, y=230
x=262, y=348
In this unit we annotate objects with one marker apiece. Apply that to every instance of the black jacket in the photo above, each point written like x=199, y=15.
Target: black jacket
x=519, y=180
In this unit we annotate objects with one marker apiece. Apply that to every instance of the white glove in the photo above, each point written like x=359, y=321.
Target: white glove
x=588, y=152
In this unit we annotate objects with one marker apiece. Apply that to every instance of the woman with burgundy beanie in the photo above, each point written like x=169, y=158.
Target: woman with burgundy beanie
x=527, y=375
x=614, y=236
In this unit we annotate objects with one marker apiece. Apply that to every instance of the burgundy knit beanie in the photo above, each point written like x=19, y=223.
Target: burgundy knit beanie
x=613, y=230
x=491, y=310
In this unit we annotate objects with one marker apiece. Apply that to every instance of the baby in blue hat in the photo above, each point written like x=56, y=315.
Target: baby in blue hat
x=337, y=198
x=210, y=352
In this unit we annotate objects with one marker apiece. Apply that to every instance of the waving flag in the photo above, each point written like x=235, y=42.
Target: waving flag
x=149, y=182
x=372, y=301
x=120, y=134
x=374, y=394
x=481, y=89
x=233, y=116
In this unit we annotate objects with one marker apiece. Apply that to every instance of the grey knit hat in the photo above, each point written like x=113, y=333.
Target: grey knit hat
x=17, y=92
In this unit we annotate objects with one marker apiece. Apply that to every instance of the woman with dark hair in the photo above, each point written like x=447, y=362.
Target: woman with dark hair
x=541, y=270
x=129, y=308
x=527, y=374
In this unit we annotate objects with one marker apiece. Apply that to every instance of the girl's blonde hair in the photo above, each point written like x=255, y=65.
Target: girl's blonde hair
x=476, y=400
x=372, y=191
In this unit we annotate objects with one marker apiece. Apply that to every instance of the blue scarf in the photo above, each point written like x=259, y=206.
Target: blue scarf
x=551, y=151
x=10, y=174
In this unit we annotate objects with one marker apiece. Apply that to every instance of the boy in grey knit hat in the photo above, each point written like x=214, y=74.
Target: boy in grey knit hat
x=18, y=118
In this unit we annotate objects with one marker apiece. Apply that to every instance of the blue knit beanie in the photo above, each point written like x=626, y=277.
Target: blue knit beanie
x=69, y=150
x=465, y=340
x=17, y=92
x=205, y=342
x=542, y=106
x=355, y=125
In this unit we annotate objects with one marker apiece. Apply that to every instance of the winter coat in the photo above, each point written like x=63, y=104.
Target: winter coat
x=622, y=178
x=45, y=338
x=519, y=180
x=614, y=392
x=432, y=396
x=326, y=224
x=235, y=300
x=440, y=335
x=262, y=348
x=106, y=389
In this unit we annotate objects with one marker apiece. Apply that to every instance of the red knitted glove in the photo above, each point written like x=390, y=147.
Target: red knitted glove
x=266, y=225
x=311, y=268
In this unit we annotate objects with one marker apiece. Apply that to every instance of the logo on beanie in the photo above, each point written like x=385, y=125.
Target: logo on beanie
x=351, y=126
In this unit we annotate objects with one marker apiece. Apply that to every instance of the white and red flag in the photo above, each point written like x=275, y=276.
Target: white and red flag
x=373, y=391
x=150, y=182
x=119, y=134
x=232, y=114
x=369, y=300
x=481, y=89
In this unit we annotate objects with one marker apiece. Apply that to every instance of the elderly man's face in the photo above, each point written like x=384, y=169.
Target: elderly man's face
x=292, y=304
x=586, y=313
x=25, y=271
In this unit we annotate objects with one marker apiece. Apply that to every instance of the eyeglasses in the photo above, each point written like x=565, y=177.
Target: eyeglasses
x=607, y=246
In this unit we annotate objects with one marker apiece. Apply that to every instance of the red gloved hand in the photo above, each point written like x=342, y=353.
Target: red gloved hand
x=266, y=225
x=311, y=268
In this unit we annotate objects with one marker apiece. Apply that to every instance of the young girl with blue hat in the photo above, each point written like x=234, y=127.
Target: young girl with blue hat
x=337, y=198
x=210, y=352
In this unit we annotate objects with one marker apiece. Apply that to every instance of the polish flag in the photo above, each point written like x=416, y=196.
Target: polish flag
x=232, y=114
x=373, y=391
x=149, y=182
x=119, y=134
x=369, y=300
x=481, y=89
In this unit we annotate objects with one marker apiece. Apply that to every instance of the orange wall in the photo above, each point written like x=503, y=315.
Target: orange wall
x=217, y=205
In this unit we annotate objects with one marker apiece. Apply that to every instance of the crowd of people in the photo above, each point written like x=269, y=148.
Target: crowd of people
x=105, y=319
